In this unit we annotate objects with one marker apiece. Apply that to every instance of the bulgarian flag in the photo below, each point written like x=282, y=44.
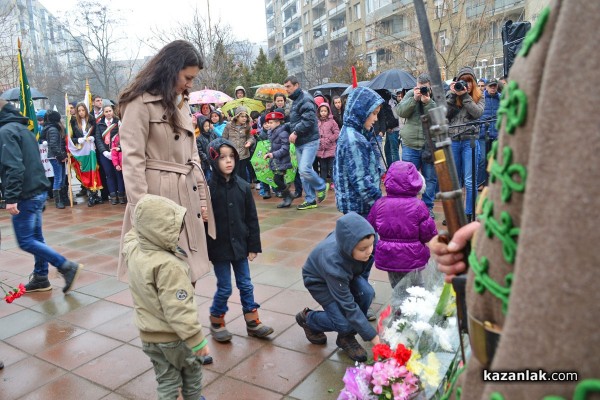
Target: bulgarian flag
x=83, y=156
x=25, y=101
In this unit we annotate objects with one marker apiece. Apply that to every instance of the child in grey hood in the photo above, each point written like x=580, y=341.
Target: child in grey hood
x=333, y=276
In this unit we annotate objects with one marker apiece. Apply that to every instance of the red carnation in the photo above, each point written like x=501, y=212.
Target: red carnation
x=382, y=350
x=402, y=354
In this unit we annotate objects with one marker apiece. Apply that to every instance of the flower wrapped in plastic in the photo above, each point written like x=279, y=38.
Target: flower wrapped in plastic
x=423, y=318
x=420, y=324
x=387, y=377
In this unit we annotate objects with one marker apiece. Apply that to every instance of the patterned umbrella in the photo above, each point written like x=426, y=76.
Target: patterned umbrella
x=268, y=90
x=250, y=104
x=208, y=96
x=261, y=166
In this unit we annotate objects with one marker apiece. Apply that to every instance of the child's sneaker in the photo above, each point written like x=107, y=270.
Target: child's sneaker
x=353, y=349
x=313, y=336
x=322, y=194
x=218, y=330
x=307, y=206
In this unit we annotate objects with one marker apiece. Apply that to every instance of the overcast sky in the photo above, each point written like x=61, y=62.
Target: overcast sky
x=246, y=17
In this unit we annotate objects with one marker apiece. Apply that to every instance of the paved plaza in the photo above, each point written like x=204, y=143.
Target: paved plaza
x=84, y=345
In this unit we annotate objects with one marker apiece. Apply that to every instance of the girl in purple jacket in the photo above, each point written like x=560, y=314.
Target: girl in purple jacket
x=403, y=224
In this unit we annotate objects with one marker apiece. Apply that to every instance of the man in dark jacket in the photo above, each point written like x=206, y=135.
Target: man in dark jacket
x=488, y=132
x=333, y=274
x=25, y=186
x=305, y=135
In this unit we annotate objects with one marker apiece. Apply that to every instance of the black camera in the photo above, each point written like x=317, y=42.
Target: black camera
x=424, y=90
x=460, y=85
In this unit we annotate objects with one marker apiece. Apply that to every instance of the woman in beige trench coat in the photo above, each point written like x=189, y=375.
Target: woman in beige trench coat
x=159, y=149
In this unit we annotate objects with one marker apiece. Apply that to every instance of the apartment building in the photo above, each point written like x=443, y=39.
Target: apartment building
x=314, y=35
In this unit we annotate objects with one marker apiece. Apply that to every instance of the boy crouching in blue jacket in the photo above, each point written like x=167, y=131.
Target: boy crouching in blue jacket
x=333, y=276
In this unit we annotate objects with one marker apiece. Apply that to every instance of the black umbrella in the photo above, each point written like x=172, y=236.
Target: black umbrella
x=13, y=94
x=393, y=79
x=331, y=89
x=350, y=88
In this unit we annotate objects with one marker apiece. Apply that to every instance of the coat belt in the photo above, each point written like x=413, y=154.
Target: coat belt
x=186, y=183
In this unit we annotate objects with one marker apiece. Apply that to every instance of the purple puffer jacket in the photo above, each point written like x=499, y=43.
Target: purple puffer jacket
x=402, y=222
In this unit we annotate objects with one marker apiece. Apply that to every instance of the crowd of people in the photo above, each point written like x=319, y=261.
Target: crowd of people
x=190, y=206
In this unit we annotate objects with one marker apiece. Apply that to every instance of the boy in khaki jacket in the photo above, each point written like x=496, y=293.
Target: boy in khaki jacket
x=165, y=309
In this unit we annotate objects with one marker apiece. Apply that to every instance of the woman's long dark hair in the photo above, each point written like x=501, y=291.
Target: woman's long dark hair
x=159, y=76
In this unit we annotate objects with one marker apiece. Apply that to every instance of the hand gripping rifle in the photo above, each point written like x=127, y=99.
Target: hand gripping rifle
x=435, y=129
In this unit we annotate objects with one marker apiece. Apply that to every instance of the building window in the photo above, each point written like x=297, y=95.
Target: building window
x=356, y=12
x=440, y=8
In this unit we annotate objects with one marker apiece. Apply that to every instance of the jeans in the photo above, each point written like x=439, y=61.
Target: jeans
x=391, y=147
x=114, y=178
x=241, y=270
x=311, y=181
x=59, y=173
x=297, y=183
x=175, y=366
x=332, y=318
x=462, y=152
x=28, y=231
x=428, y=171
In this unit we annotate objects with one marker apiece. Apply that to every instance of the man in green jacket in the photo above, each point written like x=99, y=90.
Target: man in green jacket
x=415, y=103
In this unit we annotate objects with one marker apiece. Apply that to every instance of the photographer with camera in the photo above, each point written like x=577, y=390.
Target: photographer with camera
x=415, y=103
x=465, y=105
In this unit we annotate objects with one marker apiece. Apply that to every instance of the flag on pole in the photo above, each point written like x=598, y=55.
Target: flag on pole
x=25, y=100
x=83, y=156
x=88, y=97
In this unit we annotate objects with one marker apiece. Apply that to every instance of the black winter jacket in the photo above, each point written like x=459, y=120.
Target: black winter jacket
x=21, y=169
x=101, y=126
x=303, y=117
x=238, y=232
x=280, y=148
x=56, y=142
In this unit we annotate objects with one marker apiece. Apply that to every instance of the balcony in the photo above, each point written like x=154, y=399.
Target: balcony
x=287, y=4
x=271, y=34
x=292, y=36
x=291, y=18
x=339, y=33
x=320, y=41
x=381, y=13
x=341, y=9
x=316, y=2
x=269, y=4
x=499, y=6
x=320, y=19
x=295, y=53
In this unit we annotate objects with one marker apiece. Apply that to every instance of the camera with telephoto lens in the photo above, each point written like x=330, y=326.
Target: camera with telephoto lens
x=424, y=90
x=460, y=85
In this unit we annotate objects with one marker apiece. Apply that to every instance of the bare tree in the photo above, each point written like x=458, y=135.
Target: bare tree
x=316, y=69
x=9, y=73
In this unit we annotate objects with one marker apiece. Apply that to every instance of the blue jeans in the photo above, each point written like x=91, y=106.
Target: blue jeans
x=332, y=318
x=241, y=270
x=311, y=181
x=461, y=150
x=28, y=231
x=428, y=171
x=391, y=147
x=59, y=173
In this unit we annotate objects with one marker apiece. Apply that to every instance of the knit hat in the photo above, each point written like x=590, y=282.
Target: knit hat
x=53, y=117
x=466, y=71
x=241, y=109
x=40, y=114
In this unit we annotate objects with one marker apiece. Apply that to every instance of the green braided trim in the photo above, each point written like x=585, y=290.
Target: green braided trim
x=504, y=230
x=513, y=106
x=507, y=173
x=483, y=281
x=535, y=32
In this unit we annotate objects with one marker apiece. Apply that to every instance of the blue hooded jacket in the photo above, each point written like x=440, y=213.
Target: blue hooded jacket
x=330, y=270
x=356, y=173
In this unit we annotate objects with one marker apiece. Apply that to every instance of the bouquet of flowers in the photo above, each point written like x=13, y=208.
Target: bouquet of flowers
x=13, y=293
x=388, y=377
x=420, y=321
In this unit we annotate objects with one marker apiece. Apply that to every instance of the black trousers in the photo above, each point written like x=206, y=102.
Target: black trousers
x=279, y=179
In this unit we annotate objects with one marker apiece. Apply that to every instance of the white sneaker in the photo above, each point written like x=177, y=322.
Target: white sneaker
x=257, y=186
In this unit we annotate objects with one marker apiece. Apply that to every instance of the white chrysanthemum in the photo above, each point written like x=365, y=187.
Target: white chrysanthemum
x=442, y=337
x=421, y=326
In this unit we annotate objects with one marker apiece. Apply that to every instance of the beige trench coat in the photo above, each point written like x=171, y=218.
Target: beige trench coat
x=165, y=162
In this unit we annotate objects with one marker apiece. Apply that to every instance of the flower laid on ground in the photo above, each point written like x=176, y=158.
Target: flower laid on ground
x=13, y=293
x=387, y=377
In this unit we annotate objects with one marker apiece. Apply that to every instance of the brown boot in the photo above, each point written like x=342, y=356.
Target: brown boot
x=218, y=330
x=254, y=327
x=350, y=345
x=313, y=336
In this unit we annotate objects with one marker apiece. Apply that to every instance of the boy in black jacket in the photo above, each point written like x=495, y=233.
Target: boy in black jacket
x=238, y=240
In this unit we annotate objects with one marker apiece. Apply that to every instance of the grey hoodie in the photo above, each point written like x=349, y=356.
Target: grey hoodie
x=330, y=270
